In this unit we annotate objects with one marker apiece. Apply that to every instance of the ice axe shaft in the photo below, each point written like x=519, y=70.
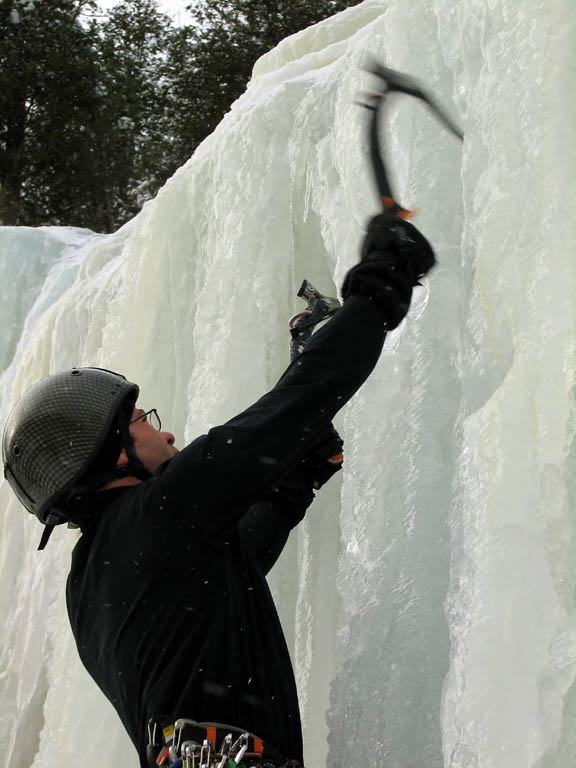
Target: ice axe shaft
x=393, y=81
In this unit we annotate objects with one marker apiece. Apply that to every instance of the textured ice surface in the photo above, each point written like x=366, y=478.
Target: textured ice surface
x=36, y=267
x=428, y=598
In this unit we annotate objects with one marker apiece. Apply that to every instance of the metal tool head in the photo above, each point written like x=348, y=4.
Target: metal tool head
x=392, y=80
x=395, y=81
x=318, y=304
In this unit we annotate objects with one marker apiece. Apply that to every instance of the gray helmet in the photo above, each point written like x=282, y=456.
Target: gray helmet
x=56, y=430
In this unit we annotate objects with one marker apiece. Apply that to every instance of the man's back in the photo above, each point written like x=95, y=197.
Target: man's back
x=168, y=622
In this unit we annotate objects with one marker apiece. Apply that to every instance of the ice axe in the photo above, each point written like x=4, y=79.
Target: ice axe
x=322, y=307
x=303, y=323
x=393, y=81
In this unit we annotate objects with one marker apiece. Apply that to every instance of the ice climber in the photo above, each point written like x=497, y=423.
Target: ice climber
x=167, y=592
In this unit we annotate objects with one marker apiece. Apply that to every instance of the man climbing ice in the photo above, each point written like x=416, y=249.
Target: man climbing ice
x=167, y=592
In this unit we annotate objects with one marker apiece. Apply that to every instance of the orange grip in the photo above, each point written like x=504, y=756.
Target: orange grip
x=403, y=213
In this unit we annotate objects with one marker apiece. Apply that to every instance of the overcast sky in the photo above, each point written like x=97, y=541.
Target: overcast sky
x=174, y=8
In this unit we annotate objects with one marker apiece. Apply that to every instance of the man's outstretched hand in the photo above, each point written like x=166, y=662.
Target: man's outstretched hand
x=394, y=256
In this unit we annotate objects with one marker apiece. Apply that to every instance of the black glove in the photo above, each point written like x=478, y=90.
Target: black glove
x=394, y=256
x=324, y=458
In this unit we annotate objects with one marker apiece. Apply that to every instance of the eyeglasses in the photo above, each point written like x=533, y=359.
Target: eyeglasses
x=154, y=419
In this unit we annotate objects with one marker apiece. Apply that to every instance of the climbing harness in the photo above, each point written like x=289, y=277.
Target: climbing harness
x=189, y=744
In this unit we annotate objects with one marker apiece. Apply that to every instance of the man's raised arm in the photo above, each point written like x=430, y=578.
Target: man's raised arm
x=237, y=463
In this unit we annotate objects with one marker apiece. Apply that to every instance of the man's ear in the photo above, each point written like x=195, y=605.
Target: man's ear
x=122, y=459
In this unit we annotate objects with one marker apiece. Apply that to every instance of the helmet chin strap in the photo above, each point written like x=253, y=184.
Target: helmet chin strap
x=134, y=468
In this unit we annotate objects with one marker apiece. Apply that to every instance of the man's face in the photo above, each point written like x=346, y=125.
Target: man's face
x=152, y=447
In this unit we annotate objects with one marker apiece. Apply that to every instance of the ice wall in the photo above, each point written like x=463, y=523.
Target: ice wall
x=428, y=598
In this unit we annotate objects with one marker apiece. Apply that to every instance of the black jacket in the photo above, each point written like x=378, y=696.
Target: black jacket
x=167, y=595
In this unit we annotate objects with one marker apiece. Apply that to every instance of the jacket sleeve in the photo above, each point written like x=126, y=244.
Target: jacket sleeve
x=214, y=479
x=265, y=528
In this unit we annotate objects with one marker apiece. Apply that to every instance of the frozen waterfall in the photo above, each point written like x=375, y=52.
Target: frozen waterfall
x=428, y=597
